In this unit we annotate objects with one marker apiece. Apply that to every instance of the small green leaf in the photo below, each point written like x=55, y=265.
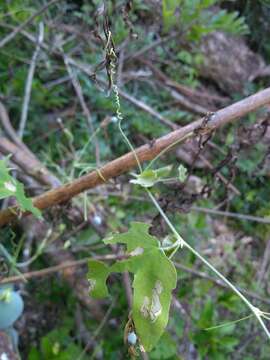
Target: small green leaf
x=11, y=187
x=148, y=178
x=97, y=276
x=182, y=173
x=168, y=12
x=163, y=172
x=25, y=203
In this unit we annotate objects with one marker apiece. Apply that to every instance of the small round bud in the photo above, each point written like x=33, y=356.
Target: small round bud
x=132, y=338
x=97, y=220
x=114, y=119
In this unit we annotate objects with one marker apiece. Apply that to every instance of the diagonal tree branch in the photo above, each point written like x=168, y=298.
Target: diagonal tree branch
x=144, y=153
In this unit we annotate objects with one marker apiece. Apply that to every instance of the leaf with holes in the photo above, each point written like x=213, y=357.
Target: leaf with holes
x=153, y=284
x=154, y=279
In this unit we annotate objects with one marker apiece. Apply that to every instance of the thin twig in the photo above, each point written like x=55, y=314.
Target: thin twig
x=180, y=88
x=120, y=64
x=83, y=334
x=154, y=44
x=128, y=288
x=9, y=130
x=220, y=176
x=56, y=268
x=52, y=269
x=28, y=85
x=98, y=330
x=186, y=103
x=29, y=163
x=141, y=105
x=264, y=263
x=26, y=34
x=77, y=87
x=219, y=282
x=232, y=215
x=192, y=208
x=18, y=29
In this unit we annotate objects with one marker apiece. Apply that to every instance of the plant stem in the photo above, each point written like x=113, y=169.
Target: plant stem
x=257, y=312
x=168, y=148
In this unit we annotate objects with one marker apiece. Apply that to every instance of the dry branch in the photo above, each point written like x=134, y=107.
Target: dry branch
x=21, y=155
x=77, y=263
x=61, y=267
x=28, y=162
x=144, y=153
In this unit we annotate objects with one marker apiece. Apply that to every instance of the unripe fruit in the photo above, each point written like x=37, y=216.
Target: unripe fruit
x=11, y=307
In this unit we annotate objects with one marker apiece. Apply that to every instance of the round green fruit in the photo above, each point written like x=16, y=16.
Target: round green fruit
x=11, y=307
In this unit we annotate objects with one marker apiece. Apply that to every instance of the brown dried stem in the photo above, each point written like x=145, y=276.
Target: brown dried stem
x=144, y=153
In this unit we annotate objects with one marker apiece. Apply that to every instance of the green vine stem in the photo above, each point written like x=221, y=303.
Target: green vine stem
x=119, y=115
x=180, y=243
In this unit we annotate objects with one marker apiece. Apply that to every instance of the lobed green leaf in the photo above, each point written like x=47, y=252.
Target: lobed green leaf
x=11, y=187
x=154, y=279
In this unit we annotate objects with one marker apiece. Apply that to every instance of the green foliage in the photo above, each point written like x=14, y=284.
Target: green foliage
x=257, y=15
x=168, y=11
x=97, y=277
x=19, y=12
x=154, y=279
x=12, y=187
x=218, y=343
x=193, y=19
x=196, y=17
x=165, y=349
x=58, y=345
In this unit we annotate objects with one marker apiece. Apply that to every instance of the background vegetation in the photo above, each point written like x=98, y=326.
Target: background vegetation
x=176, y=61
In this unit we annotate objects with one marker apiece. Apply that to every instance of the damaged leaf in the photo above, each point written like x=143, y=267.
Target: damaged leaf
x=154, y=279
